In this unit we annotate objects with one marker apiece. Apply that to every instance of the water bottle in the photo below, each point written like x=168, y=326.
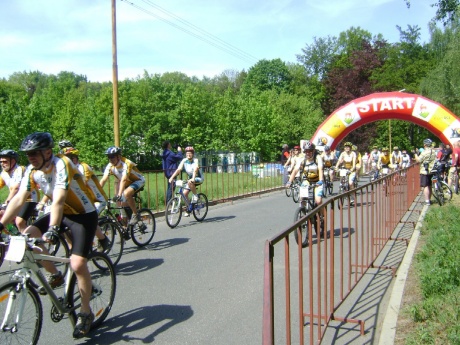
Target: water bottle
x=12, y=229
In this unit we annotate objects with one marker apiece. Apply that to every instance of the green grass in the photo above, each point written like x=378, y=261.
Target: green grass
x=437, y=316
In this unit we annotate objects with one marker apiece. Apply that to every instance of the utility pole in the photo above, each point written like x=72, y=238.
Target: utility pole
x=116, y=122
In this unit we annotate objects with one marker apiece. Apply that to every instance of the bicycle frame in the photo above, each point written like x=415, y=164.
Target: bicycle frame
x=23, y=275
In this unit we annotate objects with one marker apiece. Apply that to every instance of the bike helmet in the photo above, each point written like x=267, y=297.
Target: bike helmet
x=327, y=148
x=297, y=147
x=354, y=148
x=64, y=143
x=9, y=154
x=348, y=144
x=308, y=146
x=396, y=148
x=189, y=149
x=113, y=150
x=427, y=142
x=70, y=151
x=37, y=141
x=385, y=149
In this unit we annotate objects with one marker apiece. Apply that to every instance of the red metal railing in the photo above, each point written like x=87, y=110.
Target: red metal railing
x=329, y=268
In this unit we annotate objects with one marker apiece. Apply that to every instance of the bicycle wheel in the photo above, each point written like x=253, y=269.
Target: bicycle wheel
x=173, y=212
x=303, y=229
x=296, y=193
x=437, y=193
x=288, y=191
x=446, y=191
x=104, y=283
x=200, y=209
x=142, y=232
x=24, y=331
x=330, y=187
x=117, y=242
x=2, y=253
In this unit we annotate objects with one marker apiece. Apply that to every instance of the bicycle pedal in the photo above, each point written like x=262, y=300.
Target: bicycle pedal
x=126, y=235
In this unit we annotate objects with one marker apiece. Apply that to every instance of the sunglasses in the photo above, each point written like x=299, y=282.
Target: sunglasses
x=32, y=153
x=3, y=162
x=111, y=156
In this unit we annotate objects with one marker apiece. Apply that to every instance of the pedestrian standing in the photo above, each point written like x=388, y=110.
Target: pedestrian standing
x=426, y=160
x=170, y=163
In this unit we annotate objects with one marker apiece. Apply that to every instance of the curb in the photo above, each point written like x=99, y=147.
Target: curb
x=388, y=332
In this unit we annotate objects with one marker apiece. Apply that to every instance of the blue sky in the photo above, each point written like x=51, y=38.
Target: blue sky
x=75, y=35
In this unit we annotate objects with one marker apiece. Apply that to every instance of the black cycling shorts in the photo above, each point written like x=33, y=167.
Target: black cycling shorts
x=82, y=226
x=27, y=209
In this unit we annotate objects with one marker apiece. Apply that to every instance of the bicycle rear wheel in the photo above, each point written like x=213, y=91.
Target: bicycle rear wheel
x=117, y=242
x=173, y=212
x=103, y=291
x=446, y=191
x=143, y=231
x=200, y=209
x=24, y=331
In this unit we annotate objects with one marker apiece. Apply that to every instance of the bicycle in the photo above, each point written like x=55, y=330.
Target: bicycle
x=295, y=185
x=21, y=310
x=328, y=184
x=116, y=228
x=174, y=207
x=385, y=171
x=441, y=190
x=344, y=186
x=374, y=171
x=307, y=204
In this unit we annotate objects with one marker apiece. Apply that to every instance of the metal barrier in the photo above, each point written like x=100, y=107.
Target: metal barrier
x=330, y=267
x=221, y=183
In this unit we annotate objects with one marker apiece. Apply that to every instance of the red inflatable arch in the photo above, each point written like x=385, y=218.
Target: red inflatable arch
x=384, y=106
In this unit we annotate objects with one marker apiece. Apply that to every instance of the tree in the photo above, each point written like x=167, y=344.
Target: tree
x=268, y=75
x=446, y=11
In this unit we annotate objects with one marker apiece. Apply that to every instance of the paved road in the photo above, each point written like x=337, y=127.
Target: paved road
x=200, y=283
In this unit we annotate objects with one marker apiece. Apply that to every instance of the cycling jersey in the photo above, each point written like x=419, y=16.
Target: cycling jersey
x=405, y=160
x=311, y=168
x=396, y=157
x=61, y=174
x=374, y=157
x=385, y=159
x=189, y=166
x=91, y=180
x=328, y=159
x=347, y=159
x=14, y=177
x=125, y=167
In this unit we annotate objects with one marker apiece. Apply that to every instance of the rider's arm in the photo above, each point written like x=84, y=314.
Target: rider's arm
x=13, y=190
x=353, y=163
x=15, y=205
x=57, y=206
x=339, y=161
x=177, y=172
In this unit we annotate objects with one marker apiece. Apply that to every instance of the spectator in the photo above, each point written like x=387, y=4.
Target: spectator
x=170, y=162
x=284, y=157
x=426, y=160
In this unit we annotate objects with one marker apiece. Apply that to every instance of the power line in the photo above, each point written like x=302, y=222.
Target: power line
x=207, y=38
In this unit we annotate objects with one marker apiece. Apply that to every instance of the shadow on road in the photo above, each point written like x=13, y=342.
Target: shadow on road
x=136, y=266
x=158, y=319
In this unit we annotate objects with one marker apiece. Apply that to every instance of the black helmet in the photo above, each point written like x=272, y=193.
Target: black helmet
x=113, y=150
x=37, y=141
x=308, y=145
x=64, y=143
x=9, y=154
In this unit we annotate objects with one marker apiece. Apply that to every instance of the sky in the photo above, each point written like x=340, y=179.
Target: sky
x=198, y=38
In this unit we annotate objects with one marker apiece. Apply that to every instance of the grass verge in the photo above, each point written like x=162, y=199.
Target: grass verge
x=431, y=303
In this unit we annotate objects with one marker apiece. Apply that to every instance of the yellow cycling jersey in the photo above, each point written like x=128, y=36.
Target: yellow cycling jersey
x=91, y=180
x=61, y=174
x=14, y=177
x=125, y=167
x=385, y=159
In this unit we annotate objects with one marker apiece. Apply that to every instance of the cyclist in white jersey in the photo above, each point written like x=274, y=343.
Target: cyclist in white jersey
x=405, y=159
x=396, y=158
x=329, y=160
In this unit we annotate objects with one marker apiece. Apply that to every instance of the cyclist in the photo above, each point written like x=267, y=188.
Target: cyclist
x=11, y=176
x=295, y=159
x=373, y=161
x=312, y=169
x=348, y=160
x=63, y=144
x=191, y=166
x=354, y=148
x=395, y=159
x=99, y=198
x=426, y=160
x=405, y=159
x=71, y=207
x=455, y=163
x=329, y=160
x=384, y=160
x=129, y=179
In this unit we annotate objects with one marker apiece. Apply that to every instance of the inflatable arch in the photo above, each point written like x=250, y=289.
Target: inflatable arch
x=384, y=106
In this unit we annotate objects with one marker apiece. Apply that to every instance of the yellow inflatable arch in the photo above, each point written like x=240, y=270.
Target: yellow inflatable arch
x=388, y=105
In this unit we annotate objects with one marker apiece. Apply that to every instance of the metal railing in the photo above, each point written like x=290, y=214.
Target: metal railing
x=323, y=274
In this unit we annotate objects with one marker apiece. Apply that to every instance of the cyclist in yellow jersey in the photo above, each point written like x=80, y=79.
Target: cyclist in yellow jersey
x=10, y=177
x=129, y=179
x=384, y=160
x=347, y=159
x=71, y=207
x=359, y=160
x=329, y=161
x=99, y=198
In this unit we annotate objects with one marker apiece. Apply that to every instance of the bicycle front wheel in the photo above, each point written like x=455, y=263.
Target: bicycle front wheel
x=296, y=193
x=446, y=191
x=104, y=285
x=173, y=212
x=288, y=191
x=27, y=329
x=200, y=209
x=142, y=232
x=303, y=229
x=117, y=242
